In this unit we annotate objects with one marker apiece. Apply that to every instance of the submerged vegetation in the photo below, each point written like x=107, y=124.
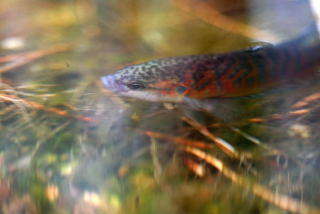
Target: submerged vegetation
x=70, y=146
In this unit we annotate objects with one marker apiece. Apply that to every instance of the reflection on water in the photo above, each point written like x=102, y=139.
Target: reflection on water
x=70, y=146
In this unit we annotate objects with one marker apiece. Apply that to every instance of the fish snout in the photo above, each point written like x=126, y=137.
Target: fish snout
x=110, y=83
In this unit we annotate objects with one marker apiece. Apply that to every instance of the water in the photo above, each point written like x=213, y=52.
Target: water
x=69, y=146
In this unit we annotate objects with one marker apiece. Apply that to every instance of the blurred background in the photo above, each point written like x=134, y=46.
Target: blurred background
x=67, y=145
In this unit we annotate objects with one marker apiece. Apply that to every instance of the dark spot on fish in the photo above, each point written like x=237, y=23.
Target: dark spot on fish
x=197, y=76
x=181, y=89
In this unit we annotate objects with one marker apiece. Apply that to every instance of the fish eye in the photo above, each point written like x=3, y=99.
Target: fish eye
x=136, y=85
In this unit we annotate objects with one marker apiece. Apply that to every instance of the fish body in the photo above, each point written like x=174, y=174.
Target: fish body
x=233, y=74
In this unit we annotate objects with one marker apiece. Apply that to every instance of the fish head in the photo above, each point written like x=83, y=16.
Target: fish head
x=155, y=80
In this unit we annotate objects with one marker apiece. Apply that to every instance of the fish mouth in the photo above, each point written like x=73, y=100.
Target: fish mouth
x=113, y=85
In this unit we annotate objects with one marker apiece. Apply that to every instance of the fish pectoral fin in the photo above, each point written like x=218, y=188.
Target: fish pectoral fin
x=223, y=109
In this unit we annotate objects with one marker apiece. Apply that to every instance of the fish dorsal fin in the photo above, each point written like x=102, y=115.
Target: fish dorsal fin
x=257, y=46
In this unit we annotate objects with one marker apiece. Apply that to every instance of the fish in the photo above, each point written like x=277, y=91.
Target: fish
x=223, y=75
